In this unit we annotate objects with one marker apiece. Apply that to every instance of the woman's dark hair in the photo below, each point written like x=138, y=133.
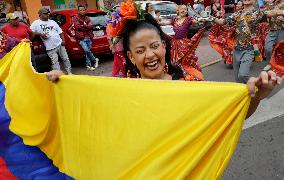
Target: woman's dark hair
x=147, y=6
x=133, y=26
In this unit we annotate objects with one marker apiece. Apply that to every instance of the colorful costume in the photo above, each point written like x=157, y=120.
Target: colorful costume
x=118, y=59
x=263, y=29
x=246, y=29
x=277, y=58
x=219, y=37
x=7, y=44
x=276, y=31
x=183, y=50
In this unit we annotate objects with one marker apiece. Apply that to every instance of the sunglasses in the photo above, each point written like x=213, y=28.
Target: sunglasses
x=46, y=13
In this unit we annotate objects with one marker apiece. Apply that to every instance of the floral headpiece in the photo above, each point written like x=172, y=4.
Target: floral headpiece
x=124, y=11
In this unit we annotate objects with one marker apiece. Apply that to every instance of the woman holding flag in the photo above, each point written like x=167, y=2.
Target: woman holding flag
x=145, y=51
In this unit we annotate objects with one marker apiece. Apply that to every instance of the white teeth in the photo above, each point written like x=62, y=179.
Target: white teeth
x=152, y=63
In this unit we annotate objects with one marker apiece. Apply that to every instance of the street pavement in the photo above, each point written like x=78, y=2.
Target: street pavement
x=260, y=152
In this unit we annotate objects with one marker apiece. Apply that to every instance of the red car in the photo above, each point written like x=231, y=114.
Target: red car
x=64, y=19
x=100, y=43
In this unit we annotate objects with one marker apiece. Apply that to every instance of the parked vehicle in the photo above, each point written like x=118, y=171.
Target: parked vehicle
x=167, y=9
x=194, y=29
x=100, y=42
x=64, y=18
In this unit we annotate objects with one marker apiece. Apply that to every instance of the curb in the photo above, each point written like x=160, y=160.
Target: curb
x=211, y=63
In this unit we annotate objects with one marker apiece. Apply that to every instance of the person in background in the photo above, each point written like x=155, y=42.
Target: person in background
x=17, y=29
x=150, y=10
x=5, y=6
x=118, y=57
x=216, y=8
x=229, y=7
x=239, y=6
x=246, y=22
x=182, y=48
x=53, y=39
x=84, y=34
x=158, y=16
x=21, y=14
x=198, y=6
x=2, y=16
x=7, y=44
x=276, y=29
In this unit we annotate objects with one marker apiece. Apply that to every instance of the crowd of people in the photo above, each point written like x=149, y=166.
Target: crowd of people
x=18, y=29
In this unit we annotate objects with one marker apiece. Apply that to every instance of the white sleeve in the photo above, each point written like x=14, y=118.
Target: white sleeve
x=33, y=27
x=57, y=28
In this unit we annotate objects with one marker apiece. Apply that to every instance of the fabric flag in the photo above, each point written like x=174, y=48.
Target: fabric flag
x=111, y=128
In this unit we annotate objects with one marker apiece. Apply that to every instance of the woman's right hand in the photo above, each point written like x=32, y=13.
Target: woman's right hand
x=54, y=75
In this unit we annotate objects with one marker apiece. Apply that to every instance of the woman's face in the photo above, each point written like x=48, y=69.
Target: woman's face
x=239, y=5
x=147, y=52
x=150, y=8
x=183, y=11
x=248, y=2
x=18, y=8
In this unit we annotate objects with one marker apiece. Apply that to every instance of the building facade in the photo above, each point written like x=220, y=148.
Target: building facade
x=32, y=6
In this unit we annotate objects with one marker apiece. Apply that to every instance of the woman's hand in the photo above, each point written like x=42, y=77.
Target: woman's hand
x=54, y=75
x=260, y=87
x=265, y=83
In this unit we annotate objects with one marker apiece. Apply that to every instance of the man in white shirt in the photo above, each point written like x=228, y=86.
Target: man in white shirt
x=53, y=39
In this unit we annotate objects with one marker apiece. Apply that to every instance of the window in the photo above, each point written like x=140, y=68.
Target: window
x=166, y=8
x=98, y=20
x=59, y=18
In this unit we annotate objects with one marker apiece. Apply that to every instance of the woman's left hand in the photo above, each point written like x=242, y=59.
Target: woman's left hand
x=265, y=83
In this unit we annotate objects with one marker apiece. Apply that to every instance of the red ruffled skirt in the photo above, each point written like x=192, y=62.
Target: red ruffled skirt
x=263, y=29
x=183, y=55
x=220, y=38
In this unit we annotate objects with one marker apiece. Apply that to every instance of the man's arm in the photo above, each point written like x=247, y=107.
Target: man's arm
x=89, y=24
x=219, y=21
x=78, y=25
x=273, y=13
x=63, y=39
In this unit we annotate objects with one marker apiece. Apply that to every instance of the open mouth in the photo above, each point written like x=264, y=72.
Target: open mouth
x=152, y=65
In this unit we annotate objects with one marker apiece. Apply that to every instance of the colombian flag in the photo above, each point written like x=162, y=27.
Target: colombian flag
x=87, y=127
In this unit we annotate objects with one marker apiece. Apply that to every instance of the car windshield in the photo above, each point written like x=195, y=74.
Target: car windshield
x=98, y=19
x=166, y=8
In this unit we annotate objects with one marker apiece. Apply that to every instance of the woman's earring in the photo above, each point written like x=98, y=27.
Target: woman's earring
x=136, y=70
x=166, y=68
x=128, y=74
